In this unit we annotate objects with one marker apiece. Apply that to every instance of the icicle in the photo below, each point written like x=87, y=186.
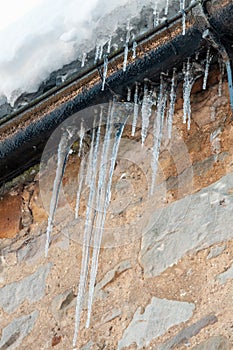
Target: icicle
x=81, y=178
x=182, y=10
x=126, y=46
x=101, y=222
x=97, y=54
x=101, y=52
x=222, y=69
x=90, y=158
x=62, y=156
x=87, y=237
x=172, y=104
x=105, y=71
x=187, y=87
x=166, y=8
x=129, y=95
x=136, y=107
x=146, y=112
x=135, y=45
x=207, y=68
x=81, y=136
x=109, y=45
x=156, y=14
x=158, y=131
x=84, y=59
x=230, y=83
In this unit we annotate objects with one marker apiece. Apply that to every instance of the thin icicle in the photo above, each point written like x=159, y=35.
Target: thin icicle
x=172, y=104
x=128, y=95
x=166, y=8
x=126, y=51
x=97, y=53
x=222, y=70
x=158, y=132
x=187, y=87
x=101, y=223
x=146, y=112
x=207, y=68
x=136, y=108
x=80, y=185
x=62, y=156
x=105, y=72
x=109, y=44
x=84, y=59
x=156, y=14
x=135, y=45
x=90, y=158
x=87, y=237
x=101, y=52
x=230, y=83
x=81, y=137
x=182, y=10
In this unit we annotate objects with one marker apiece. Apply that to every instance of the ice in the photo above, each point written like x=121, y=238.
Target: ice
x=83, y=59
x=207, y=68
x=80, y=185
x=172, y=104
x=156, y=14
x=129, y=95
x=146, y=112
x=230, y=85
x=187, y=87
x=182, y=10
x=101, y=52
x=90, y=157
x=136, y=109
x=109, y=44
x=87, y=236
x=135, y=45
x=105, y=71
x=222, y=70
x=126, y=45
x=81, y=137
x=62, y=156
x=97, y=50
x=166, y=8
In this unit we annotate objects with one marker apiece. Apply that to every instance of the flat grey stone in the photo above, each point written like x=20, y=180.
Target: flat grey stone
x=223, y=277
x=214, y=343
x=33, y=251
x=17, y=330
x=31, y=288
x=159, y=316
x=216, y=251
x=87, y=346
x=188, y=225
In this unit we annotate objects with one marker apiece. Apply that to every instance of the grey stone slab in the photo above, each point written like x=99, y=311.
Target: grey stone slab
x=17, y=330
x=214, y=343
x=216, y=251
x=188, y=225
x=225, y=276
x=31, y=288
x=159, y=316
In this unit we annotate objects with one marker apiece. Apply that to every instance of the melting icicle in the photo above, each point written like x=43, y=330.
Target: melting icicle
x=80, y=185
x=172, y=104
x=135, y=45
x=109, y=45
x=97, y=54
x=158, y=132
x=87, y=237
x=105, y=71
x=207, y=68
x=187, y=87
x=101, y=52
x=136, y=108
x=166, y=8
x=89, y=164
x=222, y=69
x=146, y=112
x=62, y=156
x=84, y=59
x=129, y=95
x=126, y=51
x=81, y=136
x=230, y=83
x=182, y=10
x=101, y=219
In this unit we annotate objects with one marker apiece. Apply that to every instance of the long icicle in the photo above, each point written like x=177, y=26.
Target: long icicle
x=230, y=83
x=97, y=242
x=62, y=156
x=187, y=87
x=87, y=238
x=207, y=68
x=182, y=10
x=90, y=158
x=146, y=112
x=80, y=185
x=105, y=71
x=81, y=137
x=172, y=104
x=126, y=51
x=166, y=8
x=136, y=108
x=222, y=69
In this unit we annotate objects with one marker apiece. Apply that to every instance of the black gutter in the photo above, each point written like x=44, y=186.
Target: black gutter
x=24, y=149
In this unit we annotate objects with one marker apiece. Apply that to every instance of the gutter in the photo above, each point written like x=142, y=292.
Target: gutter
x=25, y=133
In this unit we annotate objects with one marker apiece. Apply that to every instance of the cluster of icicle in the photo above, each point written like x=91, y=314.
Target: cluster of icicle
x=155, y=106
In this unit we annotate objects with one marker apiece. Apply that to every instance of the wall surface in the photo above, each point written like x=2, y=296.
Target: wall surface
x=168, y=286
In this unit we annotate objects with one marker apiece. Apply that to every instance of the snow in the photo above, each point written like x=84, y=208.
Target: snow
x=44, y=35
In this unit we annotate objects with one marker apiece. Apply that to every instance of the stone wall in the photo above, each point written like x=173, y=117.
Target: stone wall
x=169, y=287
